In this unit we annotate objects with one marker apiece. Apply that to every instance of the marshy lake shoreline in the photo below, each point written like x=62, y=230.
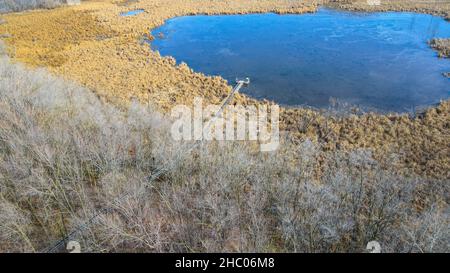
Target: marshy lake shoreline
x=94, y=46
x=375, y=62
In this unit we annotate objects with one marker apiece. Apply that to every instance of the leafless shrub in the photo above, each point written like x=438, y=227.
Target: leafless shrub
x=428, y=231
x=66, y=156
x=2, y=49
x=15, y=225
x=20, y=5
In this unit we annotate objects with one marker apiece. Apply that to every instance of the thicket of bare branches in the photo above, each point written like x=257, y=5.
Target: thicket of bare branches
x=64, y=155
x=19, y=5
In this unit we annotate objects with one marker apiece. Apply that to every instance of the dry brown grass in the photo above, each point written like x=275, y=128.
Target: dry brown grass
x=435, y=7
x=442, y=46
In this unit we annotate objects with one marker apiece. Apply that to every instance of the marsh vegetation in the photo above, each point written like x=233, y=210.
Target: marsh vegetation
x=65, y=155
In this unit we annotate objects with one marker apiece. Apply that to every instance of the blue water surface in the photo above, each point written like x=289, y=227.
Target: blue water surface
x=374, y=60
x=132, y=12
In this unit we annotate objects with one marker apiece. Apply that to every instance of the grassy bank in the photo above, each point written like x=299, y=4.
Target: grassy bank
x=65, y=155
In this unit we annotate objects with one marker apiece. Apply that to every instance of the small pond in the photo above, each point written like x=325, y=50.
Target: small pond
x=132, y=12
x=378, y=61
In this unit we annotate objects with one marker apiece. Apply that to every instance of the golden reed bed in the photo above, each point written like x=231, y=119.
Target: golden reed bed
x=94, y=46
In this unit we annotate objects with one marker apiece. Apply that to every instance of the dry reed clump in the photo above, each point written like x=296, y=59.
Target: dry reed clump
x=64, y=155
x=442, y=46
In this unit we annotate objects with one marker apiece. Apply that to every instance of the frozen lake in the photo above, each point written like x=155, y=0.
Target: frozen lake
x=377, y=61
